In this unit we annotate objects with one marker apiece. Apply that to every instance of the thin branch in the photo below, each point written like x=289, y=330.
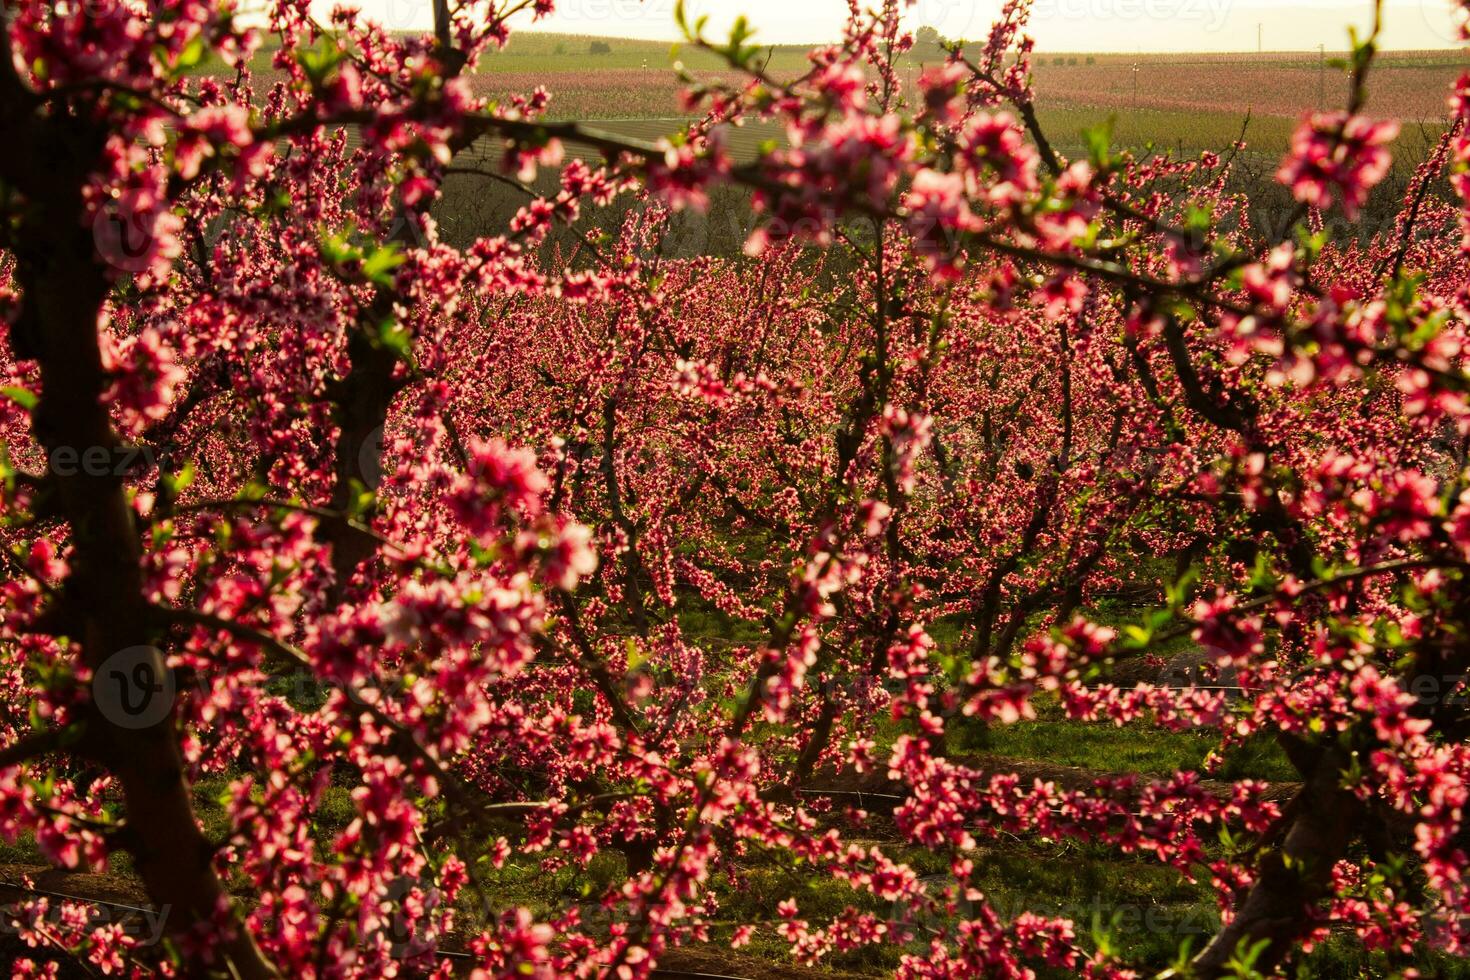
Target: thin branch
x=31, y=746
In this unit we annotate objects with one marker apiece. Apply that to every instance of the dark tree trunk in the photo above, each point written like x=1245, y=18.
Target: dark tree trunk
x=103, y=605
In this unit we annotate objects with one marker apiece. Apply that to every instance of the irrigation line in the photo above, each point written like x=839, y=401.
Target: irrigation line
x=43, y=893
x=848, y=792
x=1055, y=810
x=890, y=796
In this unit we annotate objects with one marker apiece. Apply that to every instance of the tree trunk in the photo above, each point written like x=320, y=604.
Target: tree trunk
x=1292, y=878
x=63, y=287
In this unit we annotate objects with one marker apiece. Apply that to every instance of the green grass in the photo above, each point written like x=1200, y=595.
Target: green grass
x=549, y=52
x=537, y=51
x=1187, y=132
x=703, y=621
x=1147, y=910
x=1134, y=748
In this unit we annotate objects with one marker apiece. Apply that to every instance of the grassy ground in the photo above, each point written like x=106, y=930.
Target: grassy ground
x=1134, y=748
x=549, y=52
x=1145, y=911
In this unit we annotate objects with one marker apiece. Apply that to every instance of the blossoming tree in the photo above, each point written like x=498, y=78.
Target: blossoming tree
x=296, y=497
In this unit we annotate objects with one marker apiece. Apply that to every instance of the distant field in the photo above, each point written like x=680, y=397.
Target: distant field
x=1181, y=102
x=1404, y=85
x=1182, y=133
x=546, y=52
x=645, y=102
x=596, y=91
x=1184, y=102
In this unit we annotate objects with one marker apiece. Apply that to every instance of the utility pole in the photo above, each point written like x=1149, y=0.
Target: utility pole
x=1322, y=76
x=1260, y=37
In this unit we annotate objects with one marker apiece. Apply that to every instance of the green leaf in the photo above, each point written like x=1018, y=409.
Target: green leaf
x=180, y=481
x=636, y=657
x=395, y=337
x=337, y=249
x=190, y=57
x=1198, y=220
x=1104, y=936
x=319, y=59
x=1182, y=961
x=1099, y=140
x=1243, y=964
x=22, y=397
x=1180, y=590
x=378, y=267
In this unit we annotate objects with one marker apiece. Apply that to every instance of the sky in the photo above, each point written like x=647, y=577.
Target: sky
x=1057, y=25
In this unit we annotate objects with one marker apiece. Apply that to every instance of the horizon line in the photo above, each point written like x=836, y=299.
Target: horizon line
x=808, y=45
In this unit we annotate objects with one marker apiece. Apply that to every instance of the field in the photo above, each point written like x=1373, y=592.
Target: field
x=1179, y=101
x=1181, y=104
x=1406, y=86
x=1199, y=100
x=1185, y=104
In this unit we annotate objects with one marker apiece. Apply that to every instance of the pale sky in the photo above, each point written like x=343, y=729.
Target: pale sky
x=1057, y=25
